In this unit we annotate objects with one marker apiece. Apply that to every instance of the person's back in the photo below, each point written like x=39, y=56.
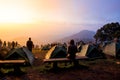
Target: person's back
x=4, y=44
x=29, y=44
x=13, y=44
x=72, y=49
x=0, y=44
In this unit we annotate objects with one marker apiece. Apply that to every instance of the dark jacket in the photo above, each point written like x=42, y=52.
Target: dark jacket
x=30, y=45
x=72, y=50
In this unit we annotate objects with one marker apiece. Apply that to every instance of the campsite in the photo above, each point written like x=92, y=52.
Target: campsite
x=59, y=39
x=105, y=69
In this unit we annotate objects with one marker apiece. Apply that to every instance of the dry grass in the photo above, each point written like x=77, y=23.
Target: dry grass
x=100, y=69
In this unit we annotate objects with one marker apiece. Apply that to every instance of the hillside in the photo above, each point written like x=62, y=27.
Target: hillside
x=84, y=35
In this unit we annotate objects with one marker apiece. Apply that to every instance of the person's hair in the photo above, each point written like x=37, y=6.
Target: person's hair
x=29, y=38
x=72, y=42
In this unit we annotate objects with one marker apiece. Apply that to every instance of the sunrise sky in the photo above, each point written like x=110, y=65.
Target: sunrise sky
x=46, y=20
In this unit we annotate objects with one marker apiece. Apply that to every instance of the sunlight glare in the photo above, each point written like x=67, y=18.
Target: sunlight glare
x=14, y=15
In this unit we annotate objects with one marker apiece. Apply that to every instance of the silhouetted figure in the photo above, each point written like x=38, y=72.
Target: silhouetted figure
x=9, y=44
x=30, y=44
x=16, y=43
x=13, y=44
x=0, y=44
x=72, y=50
x=4, y=44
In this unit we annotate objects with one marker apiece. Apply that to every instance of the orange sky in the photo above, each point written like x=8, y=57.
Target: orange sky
x=47, y=20
x=27, y=11
x=24, y=18
x=41, y=19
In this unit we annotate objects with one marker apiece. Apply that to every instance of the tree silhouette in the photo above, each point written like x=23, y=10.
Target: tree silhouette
x=108, y=32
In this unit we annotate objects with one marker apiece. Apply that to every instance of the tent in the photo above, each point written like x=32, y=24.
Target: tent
x=56, y=52
x=90, y=51
x=21, y=54
x=112, y=49
x=3, y=53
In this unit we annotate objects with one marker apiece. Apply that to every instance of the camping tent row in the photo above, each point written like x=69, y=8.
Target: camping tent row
x=21, y=54
x=56, y=52
x=112, y=49
x=87, y=50
x=90, y=51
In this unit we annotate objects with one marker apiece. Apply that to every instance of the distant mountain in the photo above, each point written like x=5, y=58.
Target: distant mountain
x=84, y=35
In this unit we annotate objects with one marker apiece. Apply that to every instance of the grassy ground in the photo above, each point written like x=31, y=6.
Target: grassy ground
x=99, y=69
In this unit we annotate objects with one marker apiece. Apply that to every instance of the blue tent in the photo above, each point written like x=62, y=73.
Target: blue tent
x=56, y=52
x=21, y=54
x=90, y=51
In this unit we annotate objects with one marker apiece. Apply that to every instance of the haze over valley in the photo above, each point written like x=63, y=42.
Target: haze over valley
x=50, y=20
